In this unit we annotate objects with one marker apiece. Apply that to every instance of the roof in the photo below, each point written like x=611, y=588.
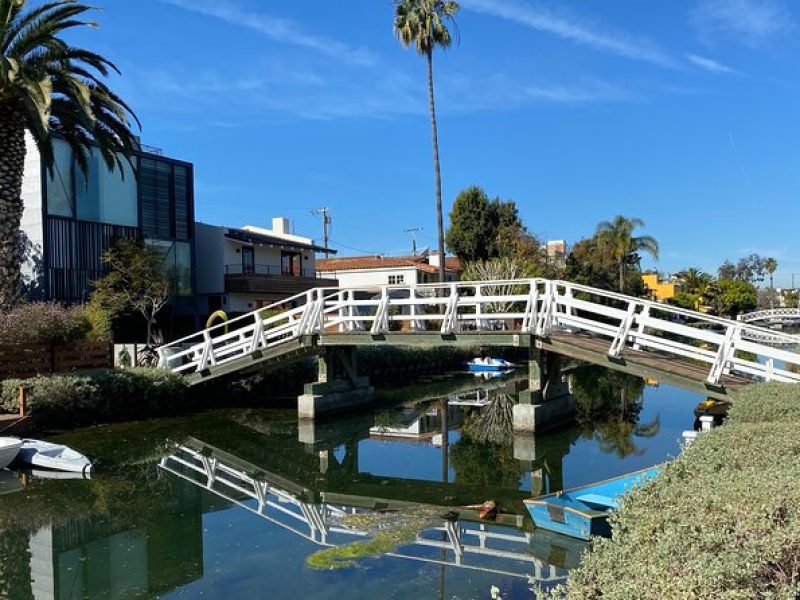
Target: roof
x=242, y=235
x=357, y=263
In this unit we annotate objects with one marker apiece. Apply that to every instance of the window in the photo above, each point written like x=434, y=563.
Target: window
x=165, y=199
x=291, y=263
x=396, y=279
x=248, y=260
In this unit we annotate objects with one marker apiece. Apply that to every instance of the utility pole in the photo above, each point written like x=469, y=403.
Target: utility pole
x=325, y=213
x=413, y=233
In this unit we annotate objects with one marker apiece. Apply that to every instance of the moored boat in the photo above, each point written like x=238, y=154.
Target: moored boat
x=9, y=448
x=487, y=364
x=583, y=512
x=58, y=457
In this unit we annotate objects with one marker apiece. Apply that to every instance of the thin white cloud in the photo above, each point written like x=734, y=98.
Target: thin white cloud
x=752, y=22
x=571, y=28
x=277, y=29
x=710, y=65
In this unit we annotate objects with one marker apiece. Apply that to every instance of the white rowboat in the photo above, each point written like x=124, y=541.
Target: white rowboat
x=9, y=448
x=53, y=456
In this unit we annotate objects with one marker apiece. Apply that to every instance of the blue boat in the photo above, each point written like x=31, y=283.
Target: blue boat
x=484, y=365
x=583, y=512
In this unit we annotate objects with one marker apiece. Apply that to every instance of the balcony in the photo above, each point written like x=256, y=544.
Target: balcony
x=271, y=281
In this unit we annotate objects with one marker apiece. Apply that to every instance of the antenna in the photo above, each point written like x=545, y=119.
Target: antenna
x=325, y=213
x=413, y=233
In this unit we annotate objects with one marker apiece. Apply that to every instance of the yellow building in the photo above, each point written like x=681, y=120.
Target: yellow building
x=661, y=290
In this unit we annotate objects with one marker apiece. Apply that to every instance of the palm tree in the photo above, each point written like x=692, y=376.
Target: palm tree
x=693, y=280
x=770, y=265
x=423, y=23
x=625, y=247
x=47, y=87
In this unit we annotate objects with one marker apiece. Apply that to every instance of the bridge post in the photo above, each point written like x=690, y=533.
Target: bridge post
x=547, y=402
x=338, y=386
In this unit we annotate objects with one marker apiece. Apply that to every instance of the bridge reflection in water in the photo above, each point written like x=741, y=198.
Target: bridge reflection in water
x=318, y=517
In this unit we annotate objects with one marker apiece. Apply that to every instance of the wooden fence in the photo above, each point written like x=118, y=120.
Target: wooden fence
x=28, y=360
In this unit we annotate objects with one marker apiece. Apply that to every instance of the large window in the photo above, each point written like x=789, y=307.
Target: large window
x=101, y=196
x=177, y=261
x=165, y=196
x=291, y=263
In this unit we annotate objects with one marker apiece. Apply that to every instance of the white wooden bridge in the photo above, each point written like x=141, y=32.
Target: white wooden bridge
x=772, y=315
x=687, y=348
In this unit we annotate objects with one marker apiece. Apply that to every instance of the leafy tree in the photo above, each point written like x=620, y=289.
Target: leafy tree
x=591, y=262
x=685, y=300
x=423, y=23
x=624, y=246
x=136, y=282
x=49, y=86
x=790, y=298
x=771, y=266
x=473, y=228
x=734, y=297
x=751, y=268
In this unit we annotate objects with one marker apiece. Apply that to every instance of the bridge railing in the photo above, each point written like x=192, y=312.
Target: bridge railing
x=536, y=306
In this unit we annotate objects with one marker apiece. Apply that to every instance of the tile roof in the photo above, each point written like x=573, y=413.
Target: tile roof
x=353, y=263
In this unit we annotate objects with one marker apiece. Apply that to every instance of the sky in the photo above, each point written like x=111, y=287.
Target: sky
x=685, y=114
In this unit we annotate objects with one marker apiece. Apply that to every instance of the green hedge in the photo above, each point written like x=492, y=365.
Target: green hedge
x=105, y=395
x=721, y=521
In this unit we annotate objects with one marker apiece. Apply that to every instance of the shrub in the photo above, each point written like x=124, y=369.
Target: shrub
x=44, y=323
x=98, y=396
x=720, y=521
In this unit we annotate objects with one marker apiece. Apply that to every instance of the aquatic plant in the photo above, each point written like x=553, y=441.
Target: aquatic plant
x=388, y=530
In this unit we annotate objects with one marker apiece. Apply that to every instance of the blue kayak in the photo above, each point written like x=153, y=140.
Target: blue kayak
x=583, y=512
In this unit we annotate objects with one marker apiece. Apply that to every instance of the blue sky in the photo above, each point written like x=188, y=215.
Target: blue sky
x=684, y=113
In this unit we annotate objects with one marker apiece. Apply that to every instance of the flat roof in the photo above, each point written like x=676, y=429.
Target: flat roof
x=242, y=235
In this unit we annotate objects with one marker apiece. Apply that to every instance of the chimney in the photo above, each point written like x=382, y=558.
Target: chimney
x=281, y=225
x=433, y=259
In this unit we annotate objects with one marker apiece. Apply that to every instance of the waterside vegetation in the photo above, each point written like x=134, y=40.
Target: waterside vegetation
x=721, y=521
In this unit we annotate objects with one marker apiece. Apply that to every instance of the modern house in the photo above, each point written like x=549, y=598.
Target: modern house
x=242, y=269
x=69, y=220
x=378, y=271
x=660, y=290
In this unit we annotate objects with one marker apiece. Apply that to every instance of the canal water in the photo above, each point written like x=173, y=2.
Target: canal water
x=252, y=504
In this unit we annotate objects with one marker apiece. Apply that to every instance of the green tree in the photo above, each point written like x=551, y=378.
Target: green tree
x=591, y=262
x=423, y=23
x=624, y=246
x=734, y=297
x=136, y=282
x=472, y=232
x=771, y=265
x=693, y=280
x=49, y=86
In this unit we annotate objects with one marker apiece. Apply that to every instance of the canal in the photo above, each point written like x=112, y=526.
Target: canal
x=252, y=504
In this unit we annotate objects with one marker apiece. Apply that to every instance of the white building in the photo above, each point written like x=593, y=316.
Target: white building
x=377, y=271
x=240, y=270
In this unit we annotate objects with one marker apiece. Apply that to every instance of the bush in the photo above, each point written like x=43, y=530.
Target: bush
x=721, y=521
x=91, y=397
x=44, y=323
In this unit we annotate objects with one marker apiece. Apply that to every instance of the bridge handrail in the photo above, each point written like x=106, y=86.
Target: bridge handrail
x=533, y=305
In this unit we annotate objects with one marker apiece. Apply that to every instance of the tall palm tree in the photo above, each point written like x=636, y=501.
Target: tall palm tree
x=423, y=23
x=771, y=265
x=47, y=87
x=626, y=247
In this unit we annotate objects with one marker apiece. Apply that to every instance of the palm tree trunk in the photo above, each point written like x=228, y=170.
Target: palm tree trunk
x=621, y=277
x=771, y=293
x=12, y=166
x=436, y=170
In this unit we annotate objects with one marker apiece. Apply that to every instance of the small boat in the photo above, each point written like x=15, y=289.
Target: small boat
x=583, y=512
x=57, y=457
x=712, y=407
x=479, y=365
x=9, y=448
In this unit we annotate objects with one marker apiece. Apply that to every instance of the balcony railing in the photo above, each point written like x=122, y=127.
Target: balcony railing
x=268, y=271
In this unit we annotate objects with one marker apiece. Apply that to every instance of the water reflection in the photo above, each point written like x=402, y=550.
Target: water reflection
x=192, y=505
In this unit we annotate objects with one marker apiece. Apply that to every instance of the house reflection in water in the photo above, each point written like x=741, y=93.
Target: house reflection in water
x=96, y=559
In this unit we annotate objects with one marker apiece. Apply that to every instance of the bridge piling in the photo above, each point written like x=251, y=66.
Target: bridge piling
x=547, y=402
x=338, y=386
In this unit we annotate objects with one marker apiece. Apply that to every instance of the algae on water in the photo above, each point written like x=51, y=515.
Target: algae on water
x=385, y=530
